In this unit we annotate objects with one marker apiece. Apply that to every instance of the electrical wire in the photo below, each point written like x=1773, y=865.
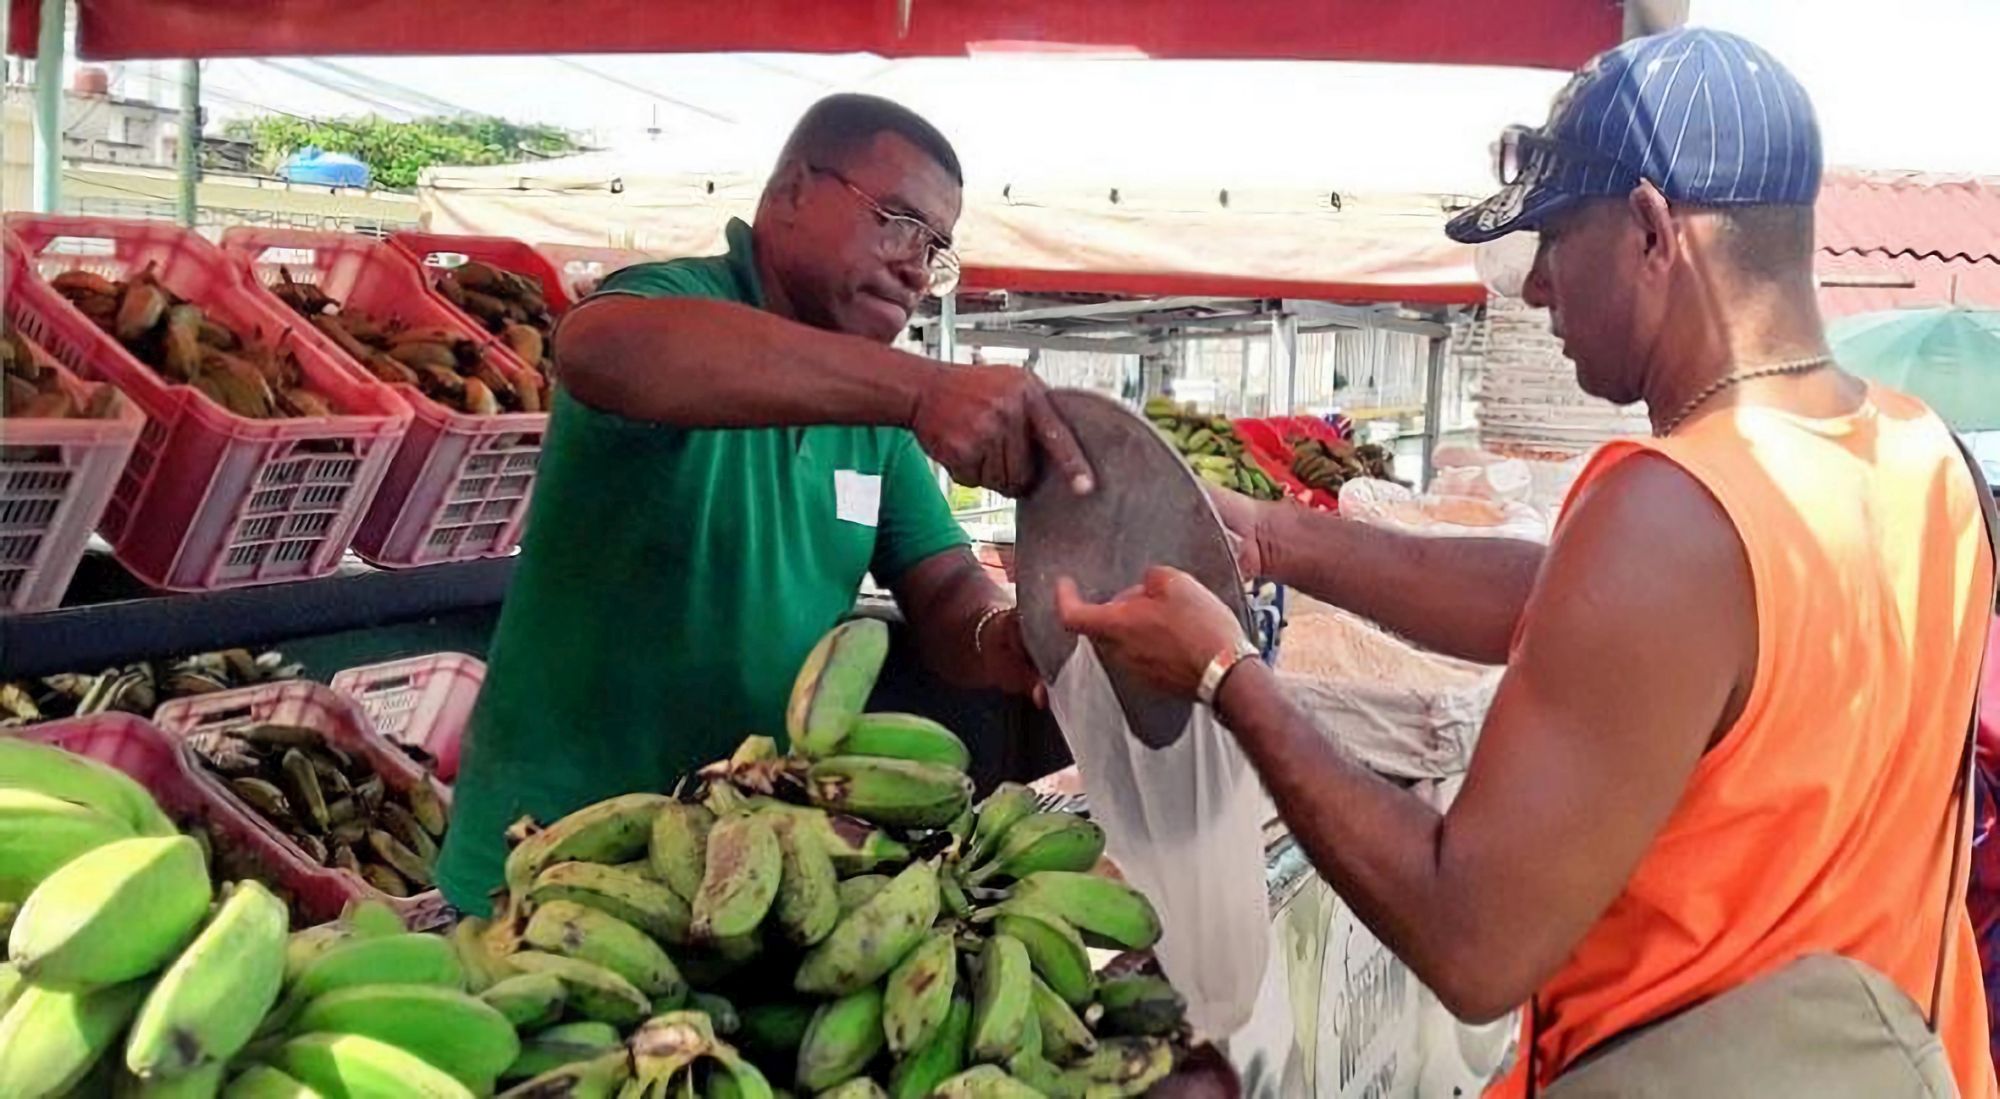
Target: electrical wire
x=643, y=90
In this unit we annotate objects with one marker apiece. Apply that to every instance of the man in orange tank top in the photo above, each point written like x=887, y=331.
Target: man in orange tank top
x=1738, y=679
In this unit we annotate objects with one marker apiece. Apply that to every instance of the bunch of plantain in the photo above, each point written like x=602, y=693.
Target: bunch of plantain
x=438, y=362
x=1327, y=466
x=330, y=803
x=509, y=305
x=138, y=688
x=31, y=389
x=185, y=346
x=1211, y=446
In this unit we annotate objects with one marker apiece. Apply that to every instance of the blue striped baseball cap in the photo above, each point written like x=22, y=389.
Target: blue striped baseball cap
x=1709, y=117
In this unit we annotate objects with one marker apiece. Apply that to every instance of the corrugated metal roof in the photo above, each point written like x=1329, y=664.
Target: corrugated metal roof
x=1906, y=239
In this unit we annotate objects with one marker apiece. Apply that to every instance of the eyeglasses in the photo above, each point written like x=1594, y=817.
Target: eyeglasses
x=1523, y=153
x=903, y=236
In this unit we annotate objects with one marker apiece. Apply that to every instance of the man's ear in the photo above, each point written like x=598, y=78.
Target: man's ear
x=786, y=190
x=1658, y=231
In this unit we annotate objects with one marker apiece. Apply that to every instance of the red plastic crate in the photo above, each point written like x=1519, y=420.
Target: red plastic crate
x=343, y=724
x=437, y=251
x=459, y=486
x=209, y=499
x=56, y=476
x=582, y=266
x=422, y=701
x=240, y=845
x=1265, y=441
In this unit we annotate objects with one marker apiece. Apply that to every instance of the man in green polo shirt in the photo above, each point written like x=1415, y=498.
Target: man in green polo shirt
x=732, y=447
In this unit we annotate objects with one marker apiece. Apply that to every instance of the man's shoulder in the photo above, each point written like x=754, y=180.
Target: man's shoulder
x=692, y=277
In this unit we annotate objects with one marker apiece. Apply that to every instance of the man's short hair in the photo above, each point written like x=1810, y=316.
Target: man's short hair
x=1767, y=242
x=839, y=125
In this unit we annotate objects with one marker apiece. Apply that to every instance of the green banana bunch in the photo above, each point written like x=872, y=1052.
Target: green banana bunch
x=854, y=892
x=265, y=1082
x=678, y=846
x=668, y=1046
x=351, y=1066
x=1006, y=806
x=364, y=919
x=869, y=941
x=52, y=772
x=917, y=997
x=722, y=1015
x=649, y=905
x=12, y=984
x=558, y=1046
x=112, y=914
x=951, y=896
x=600, y=1077
x=740, y=879
x=1140, y=1006
x=406, y=958
x=1054, y=947
x=1121, y=1067
x=744, y=1080
x=595, y=936
x=1003, y=1001
x=210, y=1000
x=53, y=1038
x=613, y=830
x=1065, y=1036
x=528, y=1001
x=985, y=1082
x=482, y=967
x=39, y=833
x=844, y=1036
x=808, y=902
x=901, y=793
x=833, y=685
x=593, y=991
x=772, y=1032
x=1043, y=841
x=861, y=1087
x=943, y=1057
x=449, y=1029
x=855, y=845
x=906, y=736
x=1094, y=904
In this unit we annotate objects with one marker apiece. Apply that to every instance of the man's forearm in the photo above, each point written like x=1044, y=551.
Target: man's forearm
x=1459, y=596
x=707, y=364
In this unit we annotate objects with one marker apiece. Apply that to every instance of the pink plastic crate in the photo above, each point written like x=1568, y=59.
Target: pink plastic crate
x=56, y=476
x=582, y=266
x=459, y=486
x=423, y=701
x=209, y=499
x=343, y=724
x=240, y=845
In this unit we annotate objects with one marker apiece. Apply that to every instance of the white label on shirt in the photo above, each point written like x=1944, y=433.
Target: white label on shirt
x=857, y=497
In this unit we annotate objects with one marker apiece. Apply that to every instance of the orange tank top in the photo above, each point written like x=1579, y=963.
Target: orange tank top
x=1821, y=821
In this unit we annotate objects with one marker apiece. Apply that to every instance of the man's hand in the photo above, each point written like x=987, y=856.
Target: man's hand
x=1166, y=629
x=993, y=427
x=1242, y=520
x=1005, y=653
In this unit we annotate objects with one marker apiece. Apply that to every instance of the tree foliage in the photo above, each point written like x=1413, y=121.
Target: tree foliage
x=396, y=151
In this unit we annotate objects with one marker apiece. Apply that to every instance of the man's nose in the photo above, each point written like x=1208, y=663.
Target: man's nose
x=912, y=271
x=1535, y=289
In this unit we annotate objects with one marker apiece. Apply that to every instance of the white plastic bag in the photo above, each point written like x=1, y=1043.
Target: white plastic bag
x=1390, y=505
x=1184, y=825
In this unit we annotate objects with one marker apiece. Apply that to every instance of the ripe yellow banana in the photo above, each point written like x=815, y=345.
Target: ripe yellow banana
x=918, y=994
x=265, y=1082
x=740, y=880
x=1054, y=947
x=1005, y=807
x=600, y=1077
x=529, y=1001
x=1065, y=1037
x=1003, y=1001
x=613, y=830
x=596, y=936
x=353, y=1066
x=808, y=901
x=209, y=1002
x=649, y=905
x=558, y=1046
x=1096, y=905
x=594, y=992
x=900, y=793
x=449, y=1029
x=833, y=685
x=50, y=1039
x=844, y=1036
x=1043, y=841
x=916, y=1075
x=40, y=832
x=119, y=912
x=407, y=958
x=48, y=770
x=905, y=736
x=482, y=967
x=678, y=847
x=869, y=941
x=985, y=1082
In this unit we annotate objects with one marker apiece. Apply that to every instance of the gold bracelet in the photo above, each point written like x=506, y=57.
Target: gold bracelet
x=1217, y=672
x=979, y=630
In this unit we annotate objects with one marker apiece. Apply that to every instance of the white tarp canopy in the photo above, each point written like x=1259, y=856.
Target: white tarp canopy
x=1254, y=178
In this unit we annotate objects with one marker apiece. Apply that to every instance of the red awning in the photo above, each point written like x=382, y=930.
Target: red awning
x=1557, y=34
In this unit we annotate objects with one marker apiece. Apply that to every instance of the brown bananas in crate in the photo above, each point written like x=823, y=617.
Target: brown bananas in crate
x=438, y=362
x=331, y=803
x=1327, y=466
x=185, y=346
x=33, y=389
x=138, y=688
x=510, y=305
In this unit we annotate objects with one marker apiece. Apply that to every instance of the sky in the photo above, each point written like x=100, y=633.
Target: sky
x=1895, y=85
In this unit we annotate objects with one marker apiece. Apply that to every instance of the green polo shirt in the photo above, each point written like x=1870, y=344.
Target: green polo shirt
x=669, y=585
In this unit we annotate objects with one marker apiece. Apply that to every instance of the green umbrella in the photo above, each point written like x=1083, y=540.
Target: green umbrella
x=1947, y=358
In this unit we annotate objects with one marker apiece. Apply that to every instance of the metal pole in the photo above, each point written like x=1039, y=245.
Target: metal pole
x=1434, y=402
x=48, y=108
x=190, y=139
x=1284, y=364
x=947, y=350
